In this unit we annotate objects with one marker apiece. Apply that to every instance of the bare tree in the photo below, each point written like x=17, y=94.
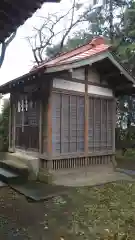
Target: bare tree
x=48, y=33
x=4, y=46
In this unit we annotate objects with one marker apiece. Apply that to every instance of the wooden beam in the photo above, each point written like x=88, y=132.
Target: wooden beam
x=123, y=87
x=109, y=75
x=86, y=112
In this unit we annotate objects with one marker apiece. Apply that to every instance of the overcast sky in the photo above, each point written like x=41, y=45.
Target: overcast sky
x=18, y=59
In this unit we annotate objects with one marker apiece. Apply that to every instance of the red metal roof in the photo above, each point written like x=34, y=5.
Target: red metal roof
x=96, y=46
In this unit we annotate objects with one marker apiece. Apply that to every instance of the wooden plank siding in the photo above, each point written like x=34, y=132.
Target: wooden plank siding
x=71, y=124
x=101, y=125
x=67, y=123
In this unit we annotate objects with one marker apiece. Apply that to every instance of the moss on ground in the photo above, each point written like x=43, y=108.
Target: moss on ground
x=89, y=213
x=44, y=176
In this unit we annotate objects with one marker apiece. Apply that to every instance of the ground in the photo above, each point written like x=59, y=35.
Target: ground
x=83, y=213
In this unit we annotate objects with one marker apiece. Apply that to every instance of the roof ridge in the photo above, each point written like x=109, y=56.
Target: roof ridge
x=78, y=50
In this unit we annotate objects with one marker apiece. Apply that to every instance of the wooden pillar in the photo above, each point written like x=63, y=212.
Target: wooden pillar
x=10, y=126
x=49, y=130
x=13, y=123
x=86, y=112
x=40, y=126
x=114, y=125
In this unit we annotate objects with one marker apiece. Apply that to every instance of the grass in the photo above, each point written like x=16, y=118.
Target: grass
x=86, y=213
x=95, y=213
x=127, y=161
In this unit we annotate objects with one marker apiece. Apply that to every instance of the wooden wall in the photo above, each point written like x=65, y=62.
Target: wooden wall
x=68, y=114
x=67, y=123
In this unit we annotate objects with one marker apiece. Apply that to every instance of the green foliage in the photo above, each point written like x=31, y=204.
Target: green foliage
x=104, y=212
x=4, y=126
x=125, y=138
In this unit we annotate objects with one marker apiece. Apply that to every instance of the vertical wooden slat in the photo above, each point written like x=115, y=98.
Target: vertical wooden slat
x=80, y=123
x=65, y=123
x=73, y=124
x=91, y=125
x=86, y=112
x=56, y=128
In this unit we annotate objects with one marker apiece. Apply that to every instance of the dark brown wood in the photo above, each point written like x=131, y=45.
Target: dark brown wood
x=14, y=123
x=14, y=13
x=45, y=123
x=76, y=155
x=86, y=112
x=49, y=129
x=10, y=123
x=40, y=126
x=27, y=122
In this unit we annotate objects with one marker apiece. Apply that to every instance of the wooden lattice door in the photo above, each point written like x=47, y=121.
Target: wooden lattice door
x=27, y=123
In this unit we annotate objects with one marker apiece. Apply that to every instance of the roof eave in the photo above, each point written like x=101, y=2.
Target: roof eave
x=90, y=61
x=6, y=88
x=77, y=64
x=121, y=68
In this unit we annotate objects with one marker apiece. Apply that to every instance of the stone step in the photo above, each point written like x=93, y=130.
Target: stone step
x=16, y=167
x=7, y=176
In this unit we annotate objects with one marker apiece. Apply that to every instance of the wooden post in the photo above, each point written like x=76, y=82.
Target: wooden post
x=40, y=126
x=114, y=125
x=49, y=130
x=14, y=124
x=86, y=113
x=10, y=126
x=113, y=134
